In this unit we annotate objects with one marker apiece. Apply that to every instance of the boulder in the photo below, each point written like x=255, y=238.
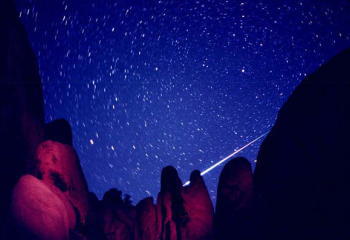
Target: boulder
x=302, y=173
x=187, y=212
x=57, y=165
x=148, y=220
x=170, y=202
x=199, y=208
x=233, y=213
x=21, y=102
x=93, y=228
x=40, y=212
x=117, y=216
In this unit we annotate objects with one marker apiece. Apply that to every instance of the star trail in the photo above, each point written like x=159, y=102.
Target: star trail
x=146, y=84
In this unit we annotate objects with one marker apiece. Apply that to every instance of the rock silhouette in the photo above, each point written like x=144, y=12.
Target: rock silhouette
x=171, y=203
x=21, y=103
x=59, y=131
x=148, y=220
x=302, y=173
x=233, y=213
x=118, y=216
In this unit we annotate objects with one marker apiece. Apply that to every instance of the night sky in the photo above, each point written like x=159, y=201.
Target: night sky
x=146, y=84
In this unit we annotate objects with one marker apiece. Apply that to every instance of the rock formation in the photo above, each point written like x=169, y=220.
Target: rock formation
x=170, y=201
x=148, y=220
x=40, y=211
x=22, y=147
x=59, y=131
x=233, y=213
x=57, y=193
x=199, y=208
x=302, y=174
x=117, y=216
x=300, y=185
x=57, y=164
x=21, y=102
x=187, y=212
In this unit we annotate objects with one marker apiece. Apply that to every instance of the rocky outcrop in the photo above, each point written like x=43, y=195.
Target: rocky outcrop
x=60, y=131
x=117, y=216
x=170, y=201
x=300, y=183
x=233, y=213
x=199, y=208
x=57, y=193
x=40, y=211
x=148, y=220
x=21, y=102
x=302, y=174
x=180, y=212
x=57, y=165
x=53, y=188
x=187, y=212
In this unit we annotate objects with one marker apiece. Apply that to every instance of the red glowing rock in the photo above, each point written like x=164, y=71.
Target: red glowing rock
x=168, y=225
x=198, y=205
x=148, y=220
x=58, y=165
x=187, y=213
x=39, y=212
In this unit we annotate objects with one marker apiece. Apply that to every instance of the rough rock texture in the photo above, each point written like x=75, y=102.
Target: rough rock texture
x=168, y=226
x=61, y=183
x=53, y=202
x=148, y=220
x=21, y=102
x=94, y=228
x=199, y=208
x=57, y=165
x=302, y=174
x=118, y=216
x=170, y=201
x=233, y=213
x=187, y=212
x=180, y=212
x=40, y=211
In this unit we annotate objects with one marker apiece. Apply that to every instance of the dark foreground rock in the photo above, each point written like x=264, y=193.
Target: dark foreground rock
x=59, y=131
x=148, y=220
x=233, y=213
x=117, y=216
x=21, y=103
x=302, y=174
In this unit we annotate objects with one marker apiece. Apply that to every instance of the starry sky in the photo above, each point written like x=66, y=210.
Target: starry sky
x=146, y=84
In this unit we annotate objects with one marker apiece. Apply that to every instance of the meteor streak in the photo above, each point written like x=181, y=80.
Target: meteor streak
x=228, y=157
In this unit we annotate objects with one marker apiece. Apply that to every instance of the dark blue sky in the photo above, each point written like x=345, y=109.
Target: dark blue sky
x=147, y=84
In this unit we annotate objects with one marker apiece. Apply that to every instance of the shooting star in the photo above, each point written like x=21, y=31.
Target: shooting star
x=228, y=157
